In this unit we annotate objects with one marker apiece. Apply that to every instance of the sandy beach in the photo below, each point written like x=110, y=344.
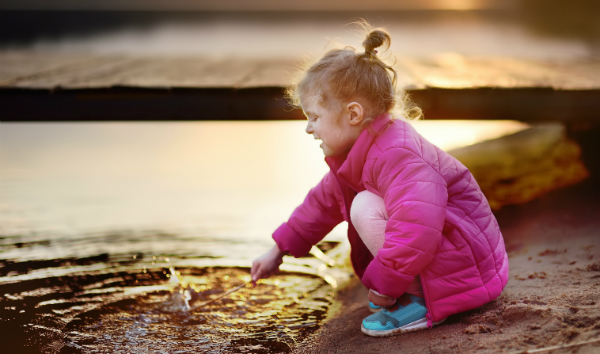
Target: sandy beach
x=551, y=303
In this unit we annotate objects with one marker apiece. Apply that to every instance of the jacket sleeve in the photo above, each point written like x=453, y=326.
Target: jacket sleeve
x=312, y=220
x=415, y=197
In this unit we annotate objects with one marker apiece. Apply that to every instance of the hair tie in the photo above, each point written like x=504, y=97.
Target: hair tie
x=375, y=51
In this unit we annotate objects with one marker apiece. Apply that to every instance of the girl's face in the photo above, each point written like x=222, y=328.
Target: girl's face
x=329, y=126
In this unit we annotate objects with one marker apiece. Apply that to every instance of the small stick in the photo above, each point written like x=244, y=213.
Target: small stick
x=560, y=346
x=202, y=304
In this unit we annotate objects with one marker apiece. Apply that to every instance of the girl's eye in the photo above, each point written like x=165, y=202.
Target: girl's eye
x=311, y=118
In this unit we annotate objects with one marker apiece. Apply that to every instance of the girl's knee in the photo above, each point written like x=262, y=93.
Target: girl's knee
x=366, y=207
x=369, y=219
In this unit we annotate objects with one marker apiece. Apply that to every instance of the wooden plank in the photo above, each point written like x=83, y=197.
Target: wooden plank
x=581, y=74
x=271, y=73
x=110, y=71
x=280, y=73
x=560, y=76
x=178, y=72
x=453, y=71
x=150, y=73
x=449, y=86
x=18, y=65
x=93, y=76
x=227, y=73
x=450, y=71
x=72, y=76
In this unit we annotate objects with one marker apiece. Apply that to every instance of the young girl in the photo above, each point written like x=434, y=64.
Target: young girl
x=423, y=238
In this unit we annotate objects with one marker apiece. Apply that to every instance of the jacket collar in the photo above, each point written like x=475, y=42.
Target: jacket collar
x=349, y=167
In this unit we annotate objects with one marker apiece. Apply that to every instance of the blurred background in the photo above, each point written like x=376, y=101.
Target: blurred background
x=521, y=28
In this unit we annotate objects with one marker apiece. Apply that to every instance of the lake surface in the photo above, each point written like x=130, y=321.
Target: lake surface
x=94, y=215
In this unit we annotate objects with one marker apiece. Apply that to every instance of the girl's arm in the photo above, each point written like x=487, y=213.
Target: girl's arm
x=267, y=264
x=309, y=223
x=415, y=196
x=313, y=219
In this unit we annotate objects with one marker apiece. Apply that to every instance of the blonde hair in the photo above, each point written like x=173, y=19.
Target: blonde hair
x=346, y=74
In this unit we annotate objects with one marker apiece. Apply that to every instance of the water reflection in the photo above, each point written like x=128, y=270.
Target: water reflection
x=124, y=309
x=216, y=180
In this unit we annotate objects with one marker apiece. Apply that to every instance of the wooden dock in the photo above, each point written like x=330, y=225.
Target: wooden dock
x=59, y=87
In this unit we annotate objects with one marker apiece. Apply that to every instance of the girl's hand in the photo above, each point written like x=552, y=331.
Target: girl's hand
x=267, y=264
x=380, y=300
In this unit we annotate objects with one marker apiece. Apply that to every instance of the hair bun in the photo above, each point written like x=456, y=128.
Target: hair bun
x=375, y=39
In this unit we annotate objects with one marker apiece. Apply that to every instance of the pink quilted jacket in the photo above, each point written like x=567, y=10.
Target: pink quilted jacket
x=440, y=225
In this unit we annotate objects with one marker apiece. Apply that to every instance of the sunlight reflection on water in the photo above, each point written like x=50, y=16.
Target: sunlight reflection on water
x=237, y=180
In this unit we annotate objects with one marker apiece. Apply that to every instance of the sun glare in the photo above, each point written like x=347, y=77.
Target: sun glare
x=453, y=134
x=460, y=4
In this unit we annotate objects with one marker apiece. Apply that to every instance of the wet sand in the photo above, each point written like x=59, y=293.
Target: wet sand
x=552, y=298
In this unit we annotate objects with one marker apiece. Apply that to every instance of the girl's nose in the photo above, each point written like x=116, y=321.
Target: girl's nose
x=309, y=128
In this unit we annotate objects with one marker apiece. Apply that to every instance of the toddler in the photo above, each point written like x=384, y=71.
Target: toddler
x=423, y=238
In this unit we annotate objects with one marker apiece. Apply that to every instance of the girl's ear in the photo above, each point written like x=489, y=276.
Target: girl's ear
x=356, y=113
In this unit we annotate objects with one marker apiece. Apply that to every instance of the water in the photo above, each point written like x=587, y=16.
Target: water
x=93, y=216
x=124, y=310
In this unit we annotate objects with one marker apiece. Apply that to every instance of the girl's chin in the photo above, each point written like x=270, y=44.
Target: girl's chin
x=329, y=152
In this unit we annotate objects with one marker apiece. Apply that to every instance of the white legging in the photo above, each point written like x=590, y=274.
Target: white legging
x=369, y=218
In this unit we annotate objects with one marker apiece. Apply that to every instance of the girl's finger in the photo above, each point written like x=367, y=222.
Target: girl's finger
x=261, y=274
x=256, y=272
